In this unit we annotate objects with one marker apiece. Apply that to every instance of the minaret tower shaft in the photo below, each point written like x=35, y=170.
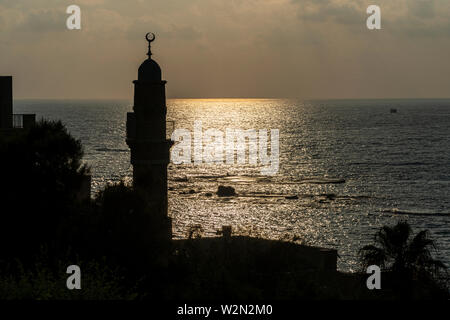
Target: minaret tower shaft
x=146, y=135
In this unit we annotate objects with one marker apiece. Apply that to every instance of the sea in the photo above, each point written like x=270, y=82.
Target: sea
x=346, y=167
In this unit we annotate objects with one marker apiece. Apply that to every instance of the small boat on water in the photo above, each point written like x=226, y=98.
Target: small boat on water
x=393, y=110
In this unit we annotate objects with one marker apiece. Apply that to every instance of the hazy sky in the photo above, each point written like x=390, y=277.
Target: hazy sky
x=228, y=48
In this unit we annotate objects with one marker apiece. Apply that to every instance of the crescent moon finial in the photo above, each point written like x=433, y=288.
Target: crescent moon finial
x=152, y=39
x=149, y=53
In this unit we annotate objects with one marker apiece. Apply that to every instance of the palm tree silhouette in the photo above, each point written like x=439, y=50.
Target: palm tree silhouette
x=408, y=258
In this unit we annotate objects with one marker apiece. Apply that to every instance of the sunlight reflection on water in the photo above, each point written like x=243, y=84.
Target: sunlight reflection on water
x=388, y=161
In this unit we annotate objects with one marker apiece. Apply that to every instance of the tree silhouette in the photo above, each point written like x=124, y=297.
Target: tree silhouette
x=409, y=258
x=41, y=172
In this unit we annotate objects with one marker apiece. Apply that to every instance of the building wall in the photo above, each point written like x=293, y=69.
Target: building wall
x=6, y=102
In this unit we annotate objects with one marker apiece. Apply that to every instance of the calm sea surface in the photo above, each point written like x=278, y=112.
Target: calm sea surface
x=395, y=166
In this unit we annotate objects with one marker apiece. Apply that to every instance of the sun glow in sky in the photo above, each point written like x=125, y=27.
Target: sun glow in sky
x=214, y=48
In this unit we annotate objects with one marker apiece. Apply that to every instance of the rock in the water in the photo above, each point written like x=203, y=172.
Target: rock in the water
x=208, y=194
x=292, y=197
x=224, y=191
x=331, y=196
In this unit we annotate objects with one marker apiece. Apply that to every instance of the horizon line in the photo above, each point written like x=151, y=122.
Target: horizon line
x=243, y=98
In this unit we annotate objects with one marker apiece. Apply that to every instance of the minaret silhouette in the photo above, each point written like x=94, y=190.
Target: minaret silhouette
x=146, y=137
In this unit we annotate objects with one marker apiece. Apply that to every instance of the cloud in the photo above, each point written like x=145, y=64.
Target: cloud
x=42, y=21
x=340, y=12
x=310, y=48
x=425, y=9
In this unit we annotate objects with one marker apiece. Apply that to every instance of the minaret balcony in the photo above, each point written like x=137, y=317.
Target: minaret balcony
x=131, y=127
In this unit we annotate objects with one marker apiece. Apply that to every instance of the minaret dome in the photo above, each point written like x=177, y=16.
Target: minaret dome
x=149, y=71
